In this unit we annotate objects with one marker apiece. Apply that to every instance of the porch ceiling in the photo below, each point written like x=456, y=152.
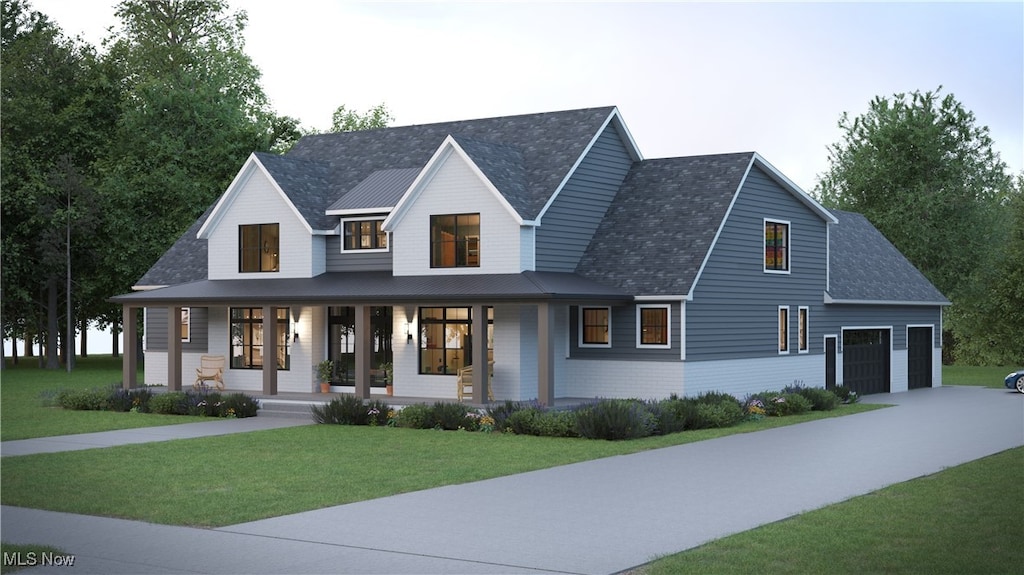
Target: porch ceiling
x=383, y=288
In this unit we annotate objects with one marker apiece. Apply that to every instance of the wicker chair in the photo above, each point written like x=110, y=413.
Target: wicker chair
x=465, y=381
x=211, y=369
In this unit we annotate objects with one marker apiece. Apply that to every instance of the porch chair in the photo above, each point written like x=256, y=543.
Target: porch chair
x=211, y=369
x=465, y=381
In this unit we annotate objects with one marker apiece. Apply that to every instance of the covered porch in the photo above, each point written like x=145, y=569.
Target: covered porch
x=537, y=296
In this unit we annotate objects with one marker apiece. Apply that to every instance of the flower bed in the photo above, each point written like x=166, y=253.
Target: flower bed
x=143, y=400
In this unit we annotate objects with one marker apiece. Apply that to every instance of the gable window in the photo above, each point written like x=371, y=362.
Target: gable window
x=802, y=330
x=455, y=241
x=365, y=235
x=446, y=339
x=186, y=324
x=652, y=326
x=595, y=327
x=783, y=329
x=248, y=347
x=258, y=248
x=776, y=246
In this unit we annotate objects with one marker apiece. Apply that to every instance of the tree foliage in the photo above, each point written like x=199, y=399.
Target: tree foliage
x=925, y=174
x=345, y=120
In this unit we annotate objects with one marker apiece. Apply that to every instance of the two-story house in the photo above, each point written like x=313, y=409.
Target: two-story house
x=543, y=245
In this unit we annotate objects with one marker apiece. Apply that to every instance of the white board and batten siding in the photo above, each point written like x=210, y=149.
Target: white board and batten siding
x=456, y=189
x=258, y=202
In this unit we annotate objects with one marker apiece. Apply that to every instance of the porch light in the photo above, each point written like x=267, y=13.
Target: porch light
x=408, y=334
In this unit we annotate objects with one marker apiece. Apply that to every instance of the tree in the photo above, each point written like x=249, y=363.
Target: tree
x=925, y=174
x=345, y=120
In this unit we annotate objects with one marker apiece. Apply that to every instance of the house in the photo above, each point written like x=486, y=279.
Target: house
x=544, y=245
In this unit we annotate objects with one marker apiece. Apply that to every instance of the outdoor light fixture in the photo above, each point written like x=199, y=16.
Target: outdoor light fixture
x=408, y=334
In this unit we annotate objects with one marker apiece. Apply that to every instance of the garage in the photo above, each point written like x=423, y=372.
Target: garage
x=866, y=355
x=919, y=357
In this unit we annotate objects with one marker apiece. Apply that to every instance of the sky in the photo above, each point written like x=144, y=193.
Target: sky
x=688, y=78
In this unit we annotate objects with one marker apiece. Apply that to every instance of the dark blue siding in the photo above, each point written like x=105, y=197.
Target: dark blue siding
x=156, y=330
x=569, y=224
x=734, y=311
x=898, y=317
x=624, y=337
x=354, y=261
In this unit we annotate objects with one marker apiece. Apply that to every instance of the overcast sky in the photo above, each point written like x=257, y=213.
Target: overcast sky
x=688, y=78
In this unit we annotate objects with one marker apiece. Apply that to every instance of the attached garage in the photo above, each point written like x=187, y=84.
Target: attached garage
x=919, y=357
x=866, y=360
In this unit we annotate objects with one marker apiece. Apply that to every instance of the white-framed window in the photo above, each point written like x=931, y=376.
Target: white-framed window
x=363, y=235
x=654, y=326
x=186, y=324
x=783, y=329
x=776, y=246
x=595, y=326
x=803, y=345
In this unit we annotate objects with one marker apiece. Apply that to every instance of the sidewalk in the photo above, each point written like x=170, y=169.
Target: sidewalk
x=601, y=516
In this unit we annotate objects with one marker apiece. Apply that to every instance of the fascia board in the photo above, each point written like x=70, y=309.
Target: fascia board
x=360, y=211
x=225, y=201
x=657, y=298
x=721, y=226
x=795, y=190
x=632, y=148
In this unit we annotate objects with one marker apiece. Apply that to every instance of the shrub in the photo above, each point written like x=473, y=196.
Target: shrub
x=782, y=404
x=715, y=397
x=83, y=399
x=614, y=419
x=450, y=416
x=684, y=411
x=415, y=416
x=718, y=414
x=344, y=410
x=542, y=422
x=205, y=404
x=377, y=412
x=238, y=405
x=668, y=419
x=846, y=395
x=820, y=399
x=501, y=412
x=170, y=403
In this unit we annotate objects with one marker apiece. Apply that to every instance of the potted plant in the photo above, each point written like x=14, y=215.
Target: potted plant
x=324, y=370
x=389, y=377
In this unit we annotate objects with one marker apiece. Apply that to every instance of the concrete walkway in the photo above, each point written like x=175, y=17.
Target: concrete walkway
x=600, y=516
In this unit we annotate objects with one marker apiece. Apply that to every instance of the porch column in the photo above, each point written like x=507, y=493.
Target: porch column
x=174, y=348
x=130, y=357
x=364, y=338
x=545, y=354
x=269, y=350
x=479, y=358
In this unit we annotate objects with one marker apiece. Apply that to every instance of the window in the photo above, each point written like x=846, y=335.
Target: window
x=446, y=339
x=247, y=345
x=455, y=241
x=783, y=329
x=652, y=326
x=258, y=248
x=595, y=327
x=186, y=324
x=776, y=246
x=365, y=235
x=802, y=330
x=341, y=343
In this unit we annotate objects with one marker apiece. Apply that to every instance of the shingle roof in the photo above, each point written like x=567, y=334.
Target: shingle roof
x=865, y=267
x=185, y=261
x=662, y=222
x=307, y=185
x=503, y=166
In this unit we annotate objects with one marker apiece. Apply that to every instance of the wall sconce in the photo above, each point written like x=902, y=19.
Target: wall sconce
x=408, y=334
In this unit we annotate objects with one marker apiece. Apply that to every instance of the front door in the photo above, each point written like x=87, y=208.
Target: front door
x=341, y=322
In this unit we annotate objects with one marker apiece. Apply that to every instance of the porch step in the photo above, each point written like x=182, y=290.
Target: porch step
x=287, y=408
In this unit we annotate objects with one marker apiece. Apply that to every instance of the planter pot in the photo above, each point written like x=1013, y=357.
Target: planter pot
x=325, y=388
x=390, y=389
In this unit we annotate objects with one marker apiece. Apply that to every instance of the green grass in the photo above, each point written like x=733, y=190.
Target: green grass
x=980, y=376
x=27, y=555
x=218, y=481
x=967, y=519
x=26, y=391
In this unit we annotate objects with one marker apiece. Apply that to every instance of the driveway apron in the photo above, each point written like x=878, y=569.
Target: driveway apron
x=600, y=516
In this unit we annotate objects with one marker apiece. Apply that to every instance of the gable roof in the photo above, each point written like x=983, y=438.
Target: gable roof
x=663, y=221
x=864, y=267
x=307, y=186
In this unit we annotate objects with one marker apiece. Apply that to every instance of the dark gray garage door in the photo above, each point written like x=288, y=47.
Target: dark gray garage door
x=919, y=357
x=866, y=360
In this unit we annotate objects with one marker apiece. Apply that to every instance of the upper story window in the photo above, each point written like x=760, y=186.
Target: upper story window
x=365, y=235
x=595, y=327
x=776, y=246
x=455, y=241
x=652, y=326
x=258, y=248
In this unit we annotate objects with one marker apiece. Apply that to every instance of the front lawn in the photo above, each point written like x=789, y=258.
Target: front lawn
x=979, y=376
x=966, y=519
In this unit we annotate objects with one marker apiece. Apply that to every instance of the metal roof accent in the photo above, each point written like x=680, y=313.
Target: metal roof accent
x=380, y=191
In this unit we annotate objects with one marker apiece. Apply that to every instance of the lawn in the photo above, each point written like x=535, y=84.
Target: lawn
x=27, y=393
x=980, y=376
x=965, y=519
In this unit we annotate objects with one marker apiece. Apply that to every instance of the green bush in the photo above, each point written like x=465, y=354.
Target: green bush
x=500, y=412
x=820, y=399
x=669, y=418
x=170, y=403
x=845, y=394
x=684, y=412
x=204, y=404
x=717, y=414
x=415, y=416
x=614, y=419
x=83, y=399
x=451, y=416
x=782, y=404
x=715, y=397
x=238, y=405
x=544, y=423
x=377, y=412
x=344, y=410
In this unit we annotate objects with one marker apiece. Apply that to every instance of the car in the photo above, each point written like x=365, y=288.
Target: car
x=1015, y=380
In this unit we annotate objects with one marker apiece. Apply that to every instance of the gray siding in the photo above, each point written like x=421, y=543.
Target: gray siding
x=624, y=337
x=734, y=311
x=898, y=317
x=355, y=261
x=569, y=224
x=156, y=330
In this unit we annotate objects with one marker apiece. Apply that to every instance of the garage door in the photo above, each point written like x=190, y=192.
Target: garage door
x=919, y=357
x=866, y=360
